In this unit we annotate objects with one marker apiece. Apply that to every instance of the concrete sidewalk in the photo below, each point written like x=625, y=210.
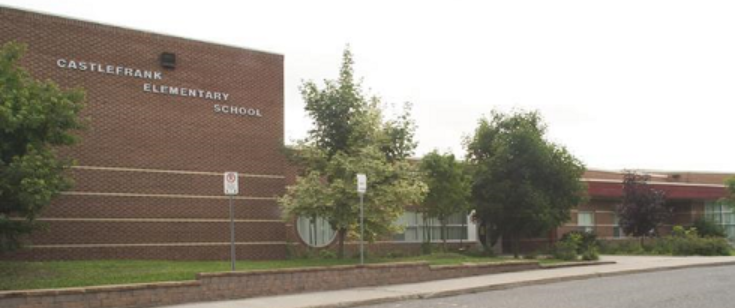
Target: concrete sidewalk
x=385, y=294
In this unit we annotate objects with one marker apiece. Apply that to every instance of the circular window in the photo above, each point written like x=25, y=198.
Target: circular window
x=315, y=231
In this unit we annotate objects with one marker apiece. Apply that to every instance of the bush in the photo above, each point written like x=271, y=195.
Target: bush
x=591, y=254
x=531, y=255
x=707, y=228
x=395, y=255
x=683, y=243
x=680, y=231
x=427, y=248
x=584, y=240
x=566, y=250
x=624, y=247
x=713, y=246
x=328, y=254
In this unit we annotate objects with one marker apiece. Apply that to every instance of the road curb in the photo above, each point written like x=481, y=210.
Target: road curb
x=508, y=286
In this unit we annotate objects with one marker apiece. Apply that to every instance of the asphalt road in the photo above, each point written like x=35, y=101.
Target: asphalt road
x=691, y=288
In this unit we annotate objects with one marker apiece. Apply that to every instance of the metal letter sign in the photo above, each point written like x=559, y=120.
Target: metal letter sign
x=361, y=183
x=231, y=183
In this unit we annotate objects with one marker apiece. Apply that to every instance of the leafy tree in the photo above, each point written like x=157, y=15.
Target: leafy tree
x=523, y=185
x=35, y=117
x=708, y=228
x=730, y=189
x=449, y=189
x=350, y=136
x=643, y=208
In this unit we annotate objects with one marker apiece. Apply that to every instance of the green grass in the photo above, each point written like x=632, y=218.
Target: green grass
x=51, y=275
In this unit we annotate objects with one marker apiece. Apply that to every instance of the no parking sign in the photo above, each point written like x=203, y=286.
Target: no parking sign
x=230, y=180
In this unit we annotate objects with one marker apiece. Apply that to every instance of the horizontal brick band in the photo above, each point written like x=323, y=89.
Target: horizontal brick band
x=109, y=232
x=153, y=245
x=171, y=183
x=251, y=251
x=243, y=175
x=88, y=206
x=152, y=220
x=84, y=193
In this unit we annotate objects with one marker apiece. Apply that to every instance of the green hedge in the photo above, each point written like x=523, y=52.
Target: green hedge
x=671, y=246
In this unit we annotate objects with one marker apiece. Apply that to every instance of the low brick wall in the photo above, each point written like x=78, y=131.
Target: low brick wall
x=239, y=285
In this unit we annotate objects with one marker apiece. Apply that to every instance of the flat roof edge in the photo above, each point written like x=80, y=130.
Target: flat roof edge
x=655, y=183
x=70, y=19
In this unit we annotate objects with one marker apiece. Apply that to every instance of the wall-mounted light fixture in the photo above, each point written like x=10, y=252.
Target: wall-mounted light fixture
x=168, y=60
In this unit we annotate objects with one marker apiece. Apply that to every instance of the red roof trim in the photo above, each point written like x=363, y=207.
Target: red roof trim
x=614, y=190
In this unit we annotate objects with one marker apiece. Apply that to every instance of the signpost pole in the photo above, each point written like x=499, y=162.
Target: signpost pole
x=362, y=231
x=232, y=236
x=362, y=185
x=230, y=185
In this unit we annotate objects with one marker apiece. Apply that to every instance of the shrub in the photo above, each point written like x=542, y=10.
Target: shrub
x=395, y=255
x=328, y=254
x=683, y=243
x=625, y=247
x=531, y=255
x=566, y=250
x=591, y=254
x=707, y=228
x=584, y=240
x=713, y=246
x=427, y=248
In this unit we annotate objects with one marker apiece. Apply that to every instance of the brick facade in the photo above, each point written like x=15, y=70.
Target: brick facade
x=225, y=286
x=149, y=174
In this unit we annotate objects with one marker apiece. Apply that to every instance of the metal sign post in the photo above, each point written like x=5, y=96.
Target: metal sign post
x=230, y=182
x=361, y=193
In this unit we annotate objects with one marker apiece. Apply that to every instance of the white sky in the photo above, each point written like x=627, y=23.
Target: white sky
x=623, y=84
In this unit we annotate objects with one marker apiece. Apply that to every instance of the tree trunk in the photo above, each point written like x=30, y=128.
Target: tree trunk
x=341, y=243
x=515, y=244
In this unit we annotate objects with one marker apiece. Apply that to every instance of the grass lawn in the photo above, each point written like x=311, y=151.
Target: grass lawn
x=50, y=275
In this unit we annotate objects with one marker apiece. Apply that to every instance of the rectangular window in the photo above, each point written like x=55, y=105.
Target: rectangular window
x=723, y=215
x=586, y=221
x=417, y=229
x=618, y=233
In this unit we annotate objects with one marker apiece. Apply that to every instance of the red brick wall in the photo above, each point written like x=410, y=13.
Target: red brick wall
x=223, y=286
x=149, y=184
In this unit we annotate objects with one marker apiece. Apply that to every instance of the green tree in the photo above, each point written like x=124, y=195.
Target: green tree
x=730, y=189
x=350, y=136
x=35, y=117
x=523, y=185
x=449, y=189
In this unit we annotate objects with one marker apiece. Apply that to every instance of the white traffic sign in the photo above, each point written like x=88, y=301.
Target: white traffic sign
x=361, y=183
x=230, y=182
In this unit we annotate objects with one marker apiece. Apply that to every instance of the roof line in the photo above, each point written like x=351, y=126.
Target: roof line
x=134, y=29
x=656, y=183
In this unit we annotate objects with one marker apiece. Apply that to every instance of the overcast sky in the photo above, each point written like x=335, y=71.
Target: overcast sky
x=622, y=84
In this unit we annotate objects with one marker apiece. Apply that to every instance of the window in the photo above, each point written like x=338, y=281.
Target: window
x=723, y=215
x=618, y=233
x=315, y=232
x=586, y=221
x=418, y=229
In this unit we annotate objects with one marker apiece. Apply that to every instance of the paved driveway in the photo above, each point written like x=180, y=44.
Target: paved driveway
x=690, y=288
x=624, y=265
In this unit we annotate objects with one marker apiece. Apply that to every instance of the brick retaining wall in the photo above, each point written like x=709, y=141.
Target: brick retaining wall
x=224, y=286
